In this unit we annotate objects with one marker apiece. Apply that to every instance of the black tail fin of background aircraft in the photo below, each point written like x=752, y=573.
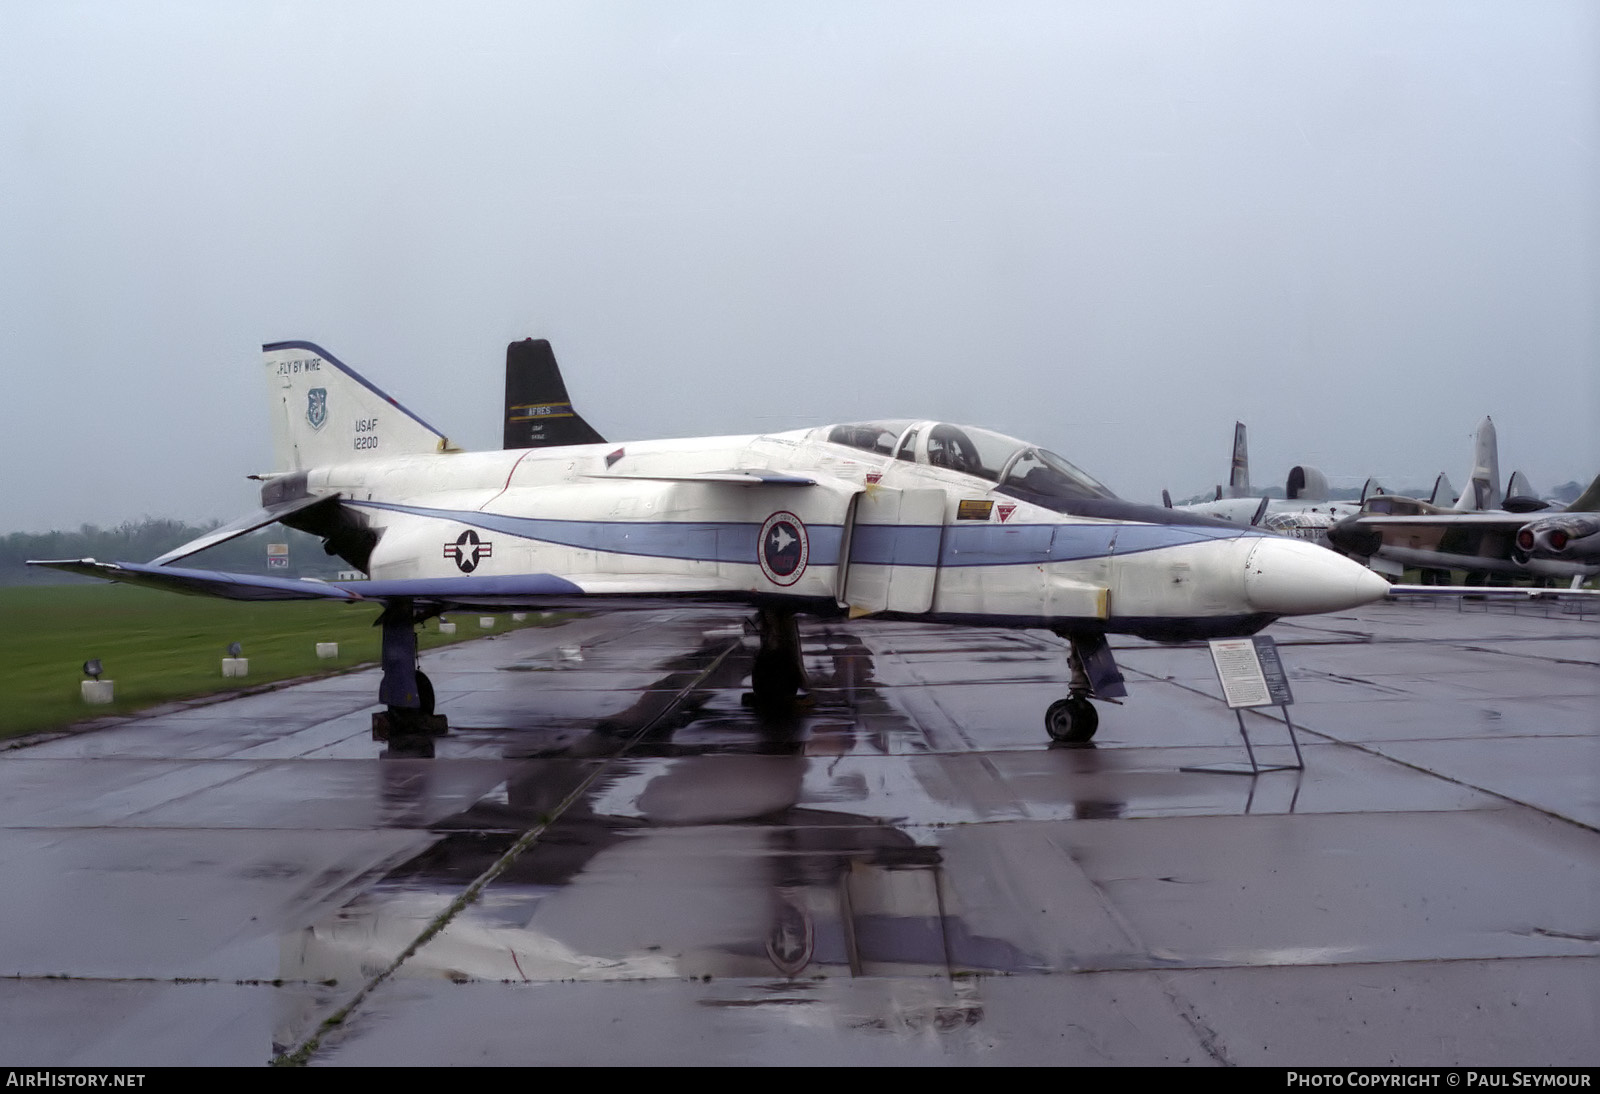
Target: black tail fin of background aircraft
x=538, y=412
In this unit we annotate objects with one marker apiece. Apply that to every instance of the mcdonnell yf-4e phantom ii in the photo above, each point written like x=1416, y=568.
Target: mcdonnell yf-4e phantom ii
x=897, y=519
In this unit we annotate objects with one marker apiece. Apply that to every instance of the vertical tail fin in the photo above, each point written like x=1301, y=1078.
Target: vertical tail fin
x=1483, y=483
x=1239, y=473
x=324, y=412
x=1518, y=486
x=1444, y=495
x=539, y=413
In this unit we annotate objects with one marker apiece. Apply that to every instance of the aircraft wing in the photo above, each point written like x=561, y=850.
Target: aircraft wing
x=1469, y=534
x=201, y=582
x=1476, y=541
x=504, y=592
x=499, y=592
x=1479, y=519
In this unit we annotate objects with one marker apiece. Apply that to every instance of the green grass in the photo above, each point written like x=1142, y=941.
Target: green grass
x=159, y=646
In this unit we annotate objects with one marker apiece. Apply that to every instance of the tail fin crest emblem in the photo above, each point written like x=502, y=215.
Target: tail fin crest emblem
x=317, y=407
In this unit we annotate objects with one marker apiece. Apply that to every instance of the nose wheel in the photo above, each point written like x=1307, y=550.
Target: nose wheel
x=1072, y=720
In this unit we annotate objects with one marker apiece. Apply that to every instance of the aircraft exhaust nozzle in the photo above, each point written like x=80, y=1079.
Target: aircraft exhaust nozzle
x=1560, y=537
x=1291, y=577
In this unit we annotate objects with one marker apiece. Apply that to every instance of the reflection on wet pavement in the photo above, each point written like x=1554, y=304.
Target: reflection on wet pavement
x=900, y=869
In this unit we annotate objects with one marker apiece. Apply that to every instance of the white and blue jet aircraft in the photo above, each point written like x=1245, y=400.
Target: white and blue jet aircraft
x=901, y=519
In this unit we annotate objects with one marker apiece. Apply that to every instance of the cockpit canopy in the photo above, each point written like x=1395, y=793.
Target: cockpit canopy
x=1017, y=468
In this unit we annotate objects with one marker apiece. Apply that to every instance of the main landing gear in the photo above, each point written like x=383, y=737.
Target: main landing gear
x=779, y=671
x=1073, y=720
x=408, y=723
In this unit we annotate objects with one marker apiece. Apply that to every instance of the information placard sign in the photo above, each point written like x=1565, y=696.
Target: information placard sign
x=1250, y=672
x=1239, y=672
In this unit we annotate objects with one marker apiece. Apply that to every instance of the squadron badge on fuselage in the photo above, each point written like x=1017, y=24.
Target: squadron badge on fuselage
x=783, y=548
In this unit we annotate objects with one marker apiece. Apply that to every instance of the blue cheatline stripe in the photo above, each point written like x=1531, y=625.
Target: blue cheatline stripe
x=692, y=541
x=870, y=544
x=1020, y=544
x=895, y=544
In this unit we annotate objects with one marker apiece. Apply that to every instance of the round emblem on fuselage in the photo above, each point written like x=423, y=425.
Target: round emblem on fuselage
x=468, y=550
x=783, y=549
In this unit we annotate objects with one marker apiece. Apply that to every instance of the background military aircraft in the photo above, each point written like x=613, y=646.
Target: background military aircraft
x=1482, y=533
x=898, y=518
x=1304, y=512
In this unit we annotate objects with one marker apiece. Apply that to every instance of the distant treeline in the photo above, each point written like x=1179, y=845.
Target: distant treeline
x=147, y=539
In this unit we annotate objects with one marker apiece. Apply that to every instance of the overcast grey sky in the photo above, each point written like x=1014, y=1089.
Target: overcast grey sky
x=1110, y=228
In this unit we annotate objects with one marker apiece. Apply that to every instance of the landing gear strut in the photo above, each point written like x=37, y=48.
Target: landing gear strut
x=1073, y=720
x=409, y=724
x=779, y=671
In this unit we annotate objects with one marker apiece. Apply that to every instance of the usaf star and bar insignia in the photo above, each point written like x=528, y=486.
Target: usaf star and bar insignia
x=468, y=550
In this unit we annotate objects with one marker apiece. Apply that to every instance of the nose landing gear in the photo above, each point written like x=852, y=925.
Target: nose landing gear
x=1074, y=720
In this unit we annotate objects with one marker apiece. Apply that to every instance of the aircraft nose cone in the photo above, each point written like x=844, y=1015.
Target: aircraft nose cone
x=1289, y=577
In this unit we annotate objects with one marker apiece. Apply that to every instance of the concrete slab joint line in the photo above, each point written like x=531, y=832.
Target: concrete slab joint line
x=1209, y=1039
x=301, y=1055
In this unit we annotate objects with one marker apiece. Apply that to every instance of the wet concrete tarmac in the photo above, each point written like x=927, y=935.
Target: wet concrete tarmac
x=613, y=860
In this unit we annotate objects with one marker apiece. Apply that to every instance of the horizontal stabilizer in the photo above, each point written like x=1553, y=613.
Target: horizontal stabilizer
x=235, y=528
